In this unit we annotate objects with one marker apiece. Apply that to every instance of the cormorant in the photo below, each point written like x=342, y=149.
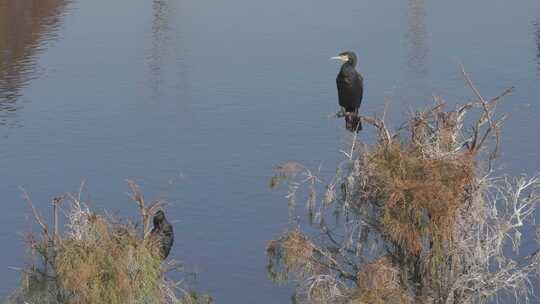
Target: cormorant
x=162, y=234
x=350, y=86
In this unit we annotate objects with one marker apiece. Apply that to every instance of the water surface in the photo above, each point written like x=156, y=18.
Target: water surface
x=197, y=100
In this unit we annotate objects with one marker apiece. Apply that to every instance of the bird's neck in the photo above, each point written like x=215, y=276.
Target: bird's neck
x=348, y=66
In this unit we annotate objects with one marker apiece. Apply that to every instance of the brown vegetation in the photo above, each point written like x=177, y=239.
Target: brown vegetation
x=98, y=260
x=420, y=218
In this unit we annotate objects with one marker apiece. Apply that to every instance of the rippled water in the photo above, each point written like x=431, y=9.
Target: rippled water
x=198, y=100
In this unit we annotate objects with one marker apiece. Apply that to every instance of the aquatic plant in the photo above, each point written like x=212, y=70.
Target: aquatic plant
x=417, y=216
x=98, y=259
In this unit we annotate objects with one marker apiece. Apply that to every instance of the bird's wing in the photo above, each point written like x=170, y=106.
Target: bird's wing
x=350, y=91
x=168, y=231
x=340, y=89
x=343, y=88
x=361, y=91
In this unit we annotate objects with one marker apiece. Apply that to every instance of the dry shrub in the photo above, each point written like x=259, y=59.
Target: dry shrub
x=113, y=267
x=421, y=204
x=420, y=194
x=285, y=171
x=295, y=256
x=293, y=253
x=98, y=260
x=379, y=283
x=380, y=273
x=382, y=296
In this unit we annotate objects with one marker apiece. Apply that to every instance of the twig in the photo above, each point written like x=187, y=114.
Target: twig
x=137, y=197
x=146, y=211
x=487, y=107
x=56, y=204
x=380, y=125
x=37, y=215
x=350, y=154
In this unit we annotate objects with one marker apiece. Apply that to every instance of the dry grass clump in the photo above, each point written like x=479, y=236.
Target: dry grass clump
x=380, y=273
x=420, y=194
x=112, y=267
x=413, y=217
x=292, y=253
x=378, y=283
x=97, y=260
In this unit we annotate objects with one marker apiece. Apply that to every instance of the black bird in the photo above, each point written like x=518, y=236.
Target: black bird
x=162, y=234
x=350, y=86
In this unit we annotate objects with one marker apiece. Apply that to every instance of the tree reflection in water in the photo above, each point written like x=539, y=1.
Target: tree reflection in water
x=26, y=27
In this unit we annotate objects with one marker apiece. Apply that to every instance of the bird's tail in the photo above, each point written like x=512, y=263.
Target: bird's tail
x=353, y=123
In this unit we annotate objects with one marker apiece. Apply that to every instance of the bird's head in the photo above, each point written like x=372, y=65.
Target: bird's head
x=346, y=57
x=159, y=217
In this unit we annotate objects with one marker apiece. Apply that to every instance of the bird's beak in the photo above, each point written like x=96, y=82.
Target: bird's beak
x=340, y=58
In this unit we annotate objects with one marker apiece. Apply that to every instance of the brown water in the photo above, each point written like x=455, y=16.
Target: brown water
x=197, y=100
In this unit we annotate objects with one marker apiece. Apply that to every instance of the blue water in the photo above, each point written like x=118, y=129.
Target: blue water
x=197, y=100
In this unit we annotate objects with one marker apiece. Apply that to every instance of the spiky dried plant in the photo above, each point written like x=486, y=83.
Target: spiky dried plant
x=97, y=259
x=419, y=216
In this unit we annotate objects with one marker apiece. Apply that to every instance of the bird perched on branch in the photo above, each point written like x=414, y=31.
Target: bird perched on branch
x=350, y=86
x=162, y=234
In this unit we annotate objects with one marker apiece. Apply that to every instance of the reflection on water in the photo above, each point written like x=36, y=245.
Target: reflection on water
x=25, y=27
x=160, y=36
x=165, y=60
x=537, y=37
x=416, y=38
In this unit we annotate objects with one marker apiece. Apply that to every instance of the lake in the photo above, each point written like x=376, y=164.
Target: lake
x=197, y=100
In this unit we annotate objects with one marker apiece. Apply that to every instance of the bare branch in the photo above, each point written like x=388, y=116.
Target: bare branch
x=37, y=215
x=137, y=197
